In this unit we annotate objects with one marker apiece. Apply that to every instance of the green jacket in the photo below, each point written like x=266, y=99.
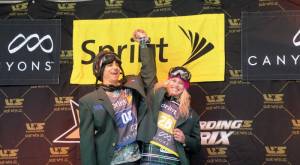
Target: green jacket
x=190, y=128
x=98, y=130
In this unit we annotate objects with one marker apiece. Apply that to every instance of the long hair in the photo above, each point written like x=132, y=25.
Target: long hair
x=184, y=99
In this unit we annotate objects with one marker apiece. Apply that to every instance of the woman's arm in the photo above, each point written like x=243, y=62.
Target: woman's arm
x=192, y=140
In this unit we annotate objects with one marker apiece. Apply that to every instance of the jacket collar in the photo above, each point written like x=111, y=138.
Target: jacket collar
x=133, y=83
x=180, y=121
x=104, y=100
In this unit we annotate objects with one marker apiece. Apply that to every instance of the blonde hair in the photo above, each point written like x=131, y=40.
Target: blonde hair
x=184, y=99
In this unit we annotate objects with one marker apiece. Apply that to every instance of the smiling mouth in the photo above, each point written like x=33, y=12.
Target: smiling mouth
x=115, y=73
x=174, y=90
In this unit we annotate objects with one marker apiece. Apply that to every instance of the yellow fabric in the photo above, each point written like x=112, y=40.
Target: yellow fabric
x=165, y=148
x=175, y=39
x=166, y=122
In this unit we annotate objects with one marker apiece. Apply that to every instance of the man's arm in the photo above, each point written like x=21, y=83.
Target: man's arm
x=147, y=55
x=148, y=69
x=87, y=145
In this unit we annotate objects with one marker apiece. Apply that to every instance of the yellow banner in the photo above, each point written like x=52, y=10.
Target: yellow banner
x=195, y=42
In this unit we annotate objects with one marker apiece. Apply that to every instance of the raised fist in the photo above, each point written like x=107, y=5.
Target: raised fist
x=140, y=35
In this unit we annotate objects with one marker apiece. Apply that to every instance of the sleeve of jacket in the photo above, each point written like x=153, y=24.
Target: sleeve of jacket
x=87, y=145
x=192, y=140
x=148, y=69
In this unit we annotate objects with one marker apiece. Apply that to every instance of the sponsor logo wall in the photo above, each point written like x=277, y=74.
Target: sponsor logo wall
x=242, y=122
x=30, y=52
x=269, y=51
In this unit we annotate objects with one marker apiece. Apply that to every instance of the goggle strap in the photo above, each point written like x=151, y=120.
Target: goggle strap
x=186, y=83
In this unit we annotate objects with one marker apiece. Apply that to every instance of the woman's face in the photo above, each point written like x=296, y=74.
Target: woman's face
x=111, y=73
x=175, y=86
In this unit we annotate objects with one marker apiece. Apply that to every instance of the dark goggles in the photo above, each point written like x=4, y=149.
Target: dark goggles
x=180, y=72
x=109, y=58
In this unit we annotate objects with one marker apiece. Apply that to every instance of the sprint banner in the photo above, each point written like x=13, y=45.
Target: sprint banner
x=195, y=42
x=29, y=52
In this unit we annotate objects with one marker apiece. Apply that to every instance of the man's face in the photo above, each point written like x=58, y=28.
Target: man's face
x=111, y=73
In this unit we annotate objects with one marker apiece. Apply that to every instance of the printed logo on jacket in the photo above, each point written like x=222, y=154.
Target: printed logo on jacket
x=195, y=42
x=29, y=52
x=271, y=46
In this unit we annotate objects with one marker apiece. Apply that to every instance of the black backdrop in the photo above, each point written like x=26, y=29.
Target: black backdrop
x=254, y=122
